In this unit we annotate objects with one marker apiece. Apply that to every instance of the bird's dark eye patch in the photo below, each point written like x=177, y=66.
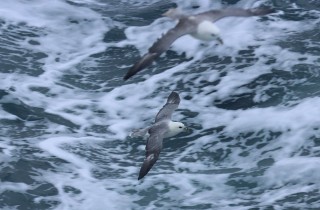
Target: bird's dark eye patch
x=180, y=126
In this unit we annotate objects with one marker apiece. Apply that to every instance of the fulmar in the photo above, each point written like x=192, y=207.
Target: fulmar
x=162, y=128
x=199, y=26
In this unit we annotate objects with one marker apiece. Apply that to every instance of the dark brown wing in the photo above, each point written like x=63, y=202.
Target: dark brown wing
x=167, y=110
x=153, y=148
x=214, y=15
x=160, y=46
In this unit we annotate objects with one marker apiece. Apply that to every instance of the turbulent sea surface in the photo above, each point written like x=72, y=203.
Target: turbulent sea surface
x=253, y=106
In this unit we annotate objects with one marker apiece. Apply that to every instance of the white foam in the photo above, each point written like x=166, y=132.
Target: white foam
x=293, y=170
x=67, y=35
x=52, y=145
x=16, y=187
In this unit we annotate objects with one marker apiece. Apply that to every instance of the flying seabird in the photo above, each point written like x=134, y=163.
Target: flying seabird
x=200, y=26
x=162, y=128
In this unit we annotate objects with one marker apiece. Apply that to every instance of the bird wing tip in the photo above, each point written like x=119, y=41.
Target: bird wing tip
x=173, y=98
x=264, y=10
x=126, y=77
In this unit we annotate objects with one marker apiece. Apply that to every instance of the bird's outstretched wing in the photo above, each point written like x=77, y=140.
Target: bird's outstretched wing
x=153, y=148
x=160, y=46
x=214, y=15
x=171, y=105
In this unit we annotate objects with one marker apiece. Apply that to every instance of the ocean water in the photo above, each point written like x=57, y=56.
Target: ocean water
x=252, y=105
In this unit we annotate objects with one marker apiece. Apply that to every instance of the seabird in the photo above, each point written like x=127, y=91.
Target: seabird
x=200, y=26
x=162, y=128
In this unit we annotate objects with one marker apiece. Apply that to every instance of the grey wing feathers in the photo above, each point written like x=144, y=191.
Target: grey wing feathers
x=163, y=43
x=261, y=11
x=147, y=164
x=145, y=61
x=160, y=46
x=171, y=105
x=214, y=15
x=153, y=148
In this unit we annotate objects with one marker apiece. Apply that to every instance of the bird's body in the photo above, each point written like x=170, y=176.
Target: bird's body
x=171, y=125
x=162, y=128
x=200, y=26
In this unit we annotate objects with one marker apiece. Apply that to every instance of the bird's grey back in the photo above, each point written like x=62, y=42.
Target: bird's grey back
x=154, y=142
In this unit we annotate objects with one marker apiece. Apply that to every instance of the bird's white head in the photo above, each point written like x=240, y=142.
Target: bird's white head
x=207, y=31
x=175, y=128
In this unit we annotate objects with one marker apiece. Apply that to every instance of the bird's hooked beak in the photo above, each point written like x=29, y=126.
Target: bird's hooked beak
x=219, y=40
